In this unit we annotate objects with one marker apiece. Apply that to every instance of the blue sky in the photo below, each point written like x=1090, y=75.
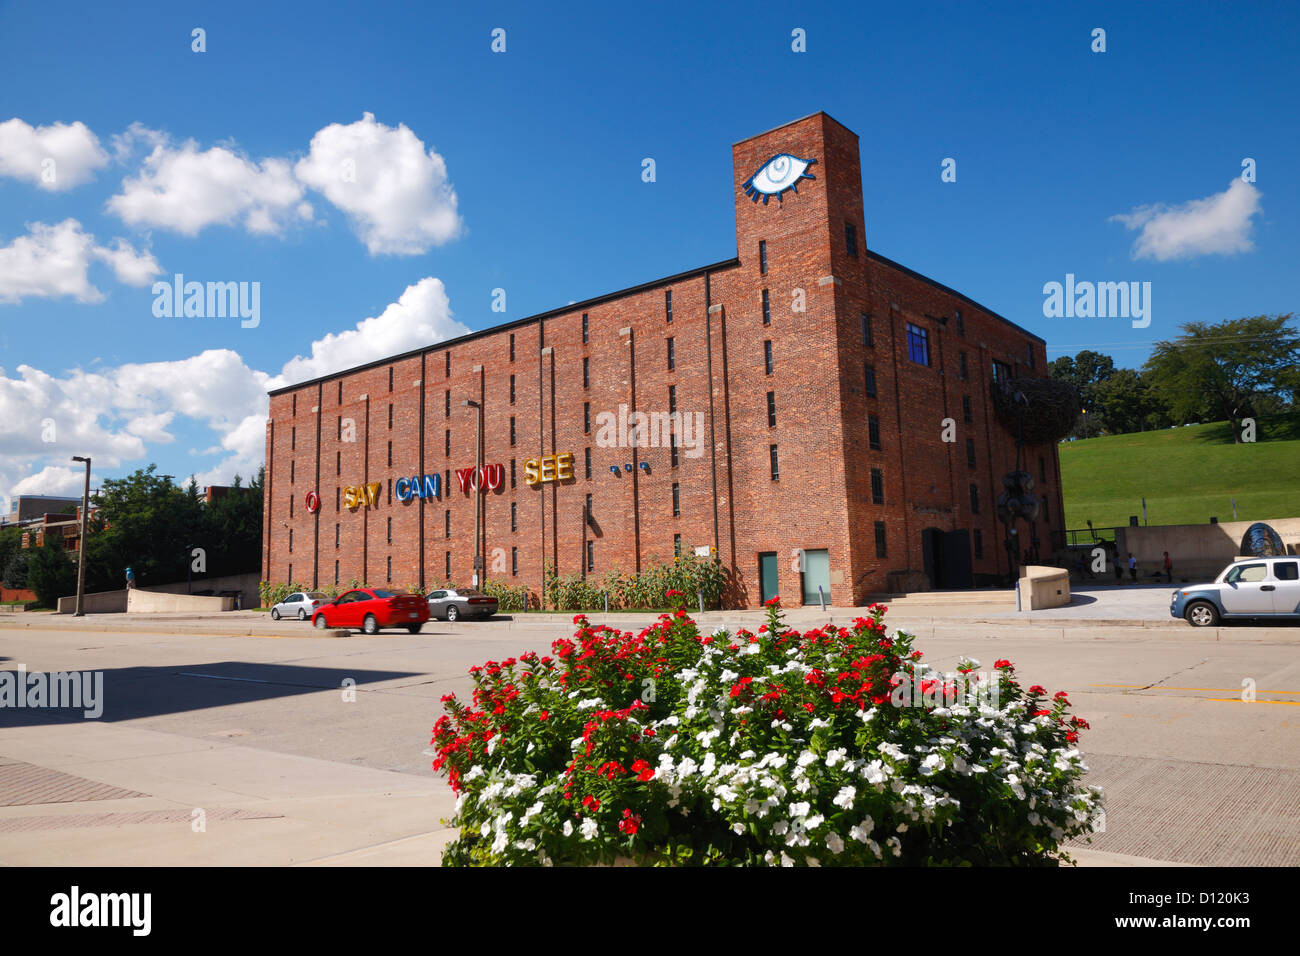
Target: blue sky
x=542, y=147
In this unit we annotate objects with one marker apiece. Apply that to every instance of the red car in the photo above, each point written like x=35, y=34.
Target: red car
x=372, y=608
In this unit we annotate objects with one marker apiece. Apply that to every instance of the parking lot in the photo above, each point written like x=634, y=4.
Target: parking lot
x=303, y=748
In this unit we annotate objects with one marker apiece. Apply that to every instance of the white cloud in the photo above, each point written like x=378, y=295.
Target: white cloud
x=394, y=192
x=53, y=262
x=54, y=157
x=1216, y=225
x=116, y=414
x=186, y=190
x=421, y=316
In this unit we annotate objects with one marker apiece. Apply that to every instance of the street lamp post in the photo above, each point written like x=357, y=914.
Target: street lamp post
x=81, y=547
x=478, y=480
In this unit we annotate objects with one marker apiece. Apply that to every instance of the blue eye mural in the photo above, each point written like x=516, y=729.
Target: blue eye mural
x=778, y=174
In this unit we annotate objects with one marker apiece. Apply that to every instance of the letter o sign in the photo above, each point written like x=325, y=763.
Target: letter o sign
x=313, y=502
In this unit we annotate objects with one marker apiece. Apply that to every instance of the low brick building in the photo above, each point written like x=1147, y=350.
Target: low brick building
x=830, y=408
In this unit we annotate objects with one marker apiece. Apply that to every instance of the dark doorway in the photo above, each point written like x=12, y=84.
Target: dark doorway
x=946, y=558
x=767, y=582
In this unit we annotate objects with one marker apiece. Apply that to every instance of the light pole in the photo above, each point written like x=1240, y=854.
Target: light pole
x=81, y=547
x=478, y=479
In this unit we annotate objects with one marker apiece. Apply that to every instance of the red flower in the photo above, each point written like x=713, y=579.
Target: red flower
x=1037, y=689
x=1059, y=695
x=591, y=803
x=1003, y=664
x=1071, y=736
x=545, y=715
x=772, y=602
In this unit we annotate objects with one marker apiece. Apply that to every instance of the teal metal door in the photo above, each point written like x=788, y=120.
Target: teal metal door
x=816, y=573
x=767, y=585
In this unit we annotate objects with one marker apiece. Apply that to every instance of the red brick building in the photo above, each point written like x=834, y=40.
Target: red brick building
x=831, y=408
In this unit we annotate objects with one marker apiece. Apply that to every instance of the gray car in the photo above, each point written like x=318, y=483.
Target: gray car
x=300, y=604
x=455, y=603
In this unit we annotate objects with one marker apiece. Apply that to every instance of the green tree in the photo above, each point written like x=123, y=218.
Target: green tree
x=15, y=569
x=1126, y=402
x=1088, y=372
x=143, y=522
x=11, y=542
x=1226, y=371
x=51, y=574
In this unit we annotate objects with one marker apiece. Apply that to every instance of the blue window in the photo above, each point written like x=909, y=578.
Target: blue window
x=918, y=344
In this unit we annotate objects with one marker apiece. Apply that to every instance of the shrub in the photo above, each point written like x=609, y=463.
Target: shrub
x=509, y=597
x=780, y=748
x=51, y=575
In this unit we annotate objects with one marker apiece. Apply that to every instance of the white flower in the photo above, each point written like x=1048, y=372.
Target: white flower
x=543, y=859
x=686, y=767
x=863, y=830
x=738, y=829
x=779, y=827
x=588, y=828
x=798, y=810
x=475, y=772
x=845, y=798
x=835, y=756
x=485, y=829
x=499, y=842
x=817, y=722
x=931, y=765
x=814, y=821
x=874, y=772
x=710, y=761
x=835, y=843
x=806, y=758
x=785, y=860
x=568, y=828
x=895, y=844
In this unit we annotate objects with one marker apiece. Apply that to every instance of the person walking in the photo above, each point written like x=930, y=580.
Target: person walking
x=1132, y=568
x=1169, y=569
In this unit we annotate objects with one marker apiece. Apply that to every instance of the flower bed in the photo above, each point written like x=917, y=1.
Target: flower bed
x=834, y=746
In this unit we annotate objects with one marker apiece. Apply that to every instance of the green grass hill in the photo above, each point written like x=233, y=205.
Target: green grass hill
x=1186, y=474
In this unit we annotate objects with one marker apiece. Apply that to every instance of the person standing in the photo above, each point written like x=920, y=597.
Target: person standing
x=130, y=579
x=1132, y=568
x=1169, y=569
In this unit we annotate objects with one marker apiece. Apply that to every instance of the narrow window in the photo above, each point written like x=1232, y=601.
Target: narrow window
x=586, y=329
x=677, y=546
x=974, y=499
x=591, y=555
x=961, y=324
x=390, y=378
x=513, y=483
x=448, y=562
x=586, y=373
x=970, y=452
x=762, y=257
x=291, y=506
x=1001, y=371
x=767, y=308
x=337, y=500
x=870, y=381
x=390, y=415
x=390, y=530
x=446, y=404
x=336, y=535
x=446, y=443
x=336, y=572
x=512, y=389
x=668, y=304
x=962, y=372
x=771, y=409
x=851, y=239
x=776, y=472
x=291, y=544
x=446, y=523
x=293, y=438
x=966, y=415
x=877, y=486
x=338, y=428
x=672, y=355
x=977, y=539
x=512, y=346
x=586, y=418
x=918, y=344
x=880, y=540
x=672, y=399
x=390, y=567
x=338, y=463
x=677, y=499
x=340, y=393
x=514, y=560
x=586, y=455
x=866, y=329
x=873, y=432
x=448, y=364
x=514, y=516
x=512, y=431
x=390, y=454
x=672, y=450
x=291, y=471
x=767, y=356
x=295, y=415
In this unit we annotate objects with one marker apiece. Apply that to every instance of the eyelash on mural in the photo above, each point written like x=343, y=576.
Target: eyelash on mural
x=783, y=171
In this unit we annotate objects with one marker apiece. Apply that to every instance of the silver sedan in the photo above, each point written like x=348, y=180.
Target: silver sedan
x=300, y=604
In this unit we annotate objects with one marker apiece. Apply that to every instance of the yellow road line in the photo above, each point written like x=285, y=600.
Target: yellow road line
x=1238, y=700
x=1226, y=690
